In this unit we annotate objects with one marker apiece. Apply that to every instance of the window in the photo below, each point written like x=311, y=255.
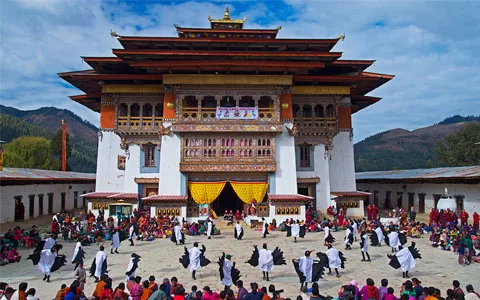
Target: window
x=116, y=210
x=75, y=199
x=149, y=154
x=304, y=156
x=63, y=201
x=40, y=204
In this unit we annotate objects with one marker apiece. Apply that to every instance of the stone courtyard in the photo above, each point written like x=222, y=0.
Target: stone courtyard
x=160, y=258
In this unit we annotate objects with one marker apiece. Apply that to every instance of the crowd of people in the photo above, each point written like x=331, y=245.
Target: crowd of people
x=446, y=232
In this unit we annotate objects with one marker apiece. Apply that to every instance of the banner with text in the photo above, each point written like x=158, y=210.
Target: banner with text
x=237, y=113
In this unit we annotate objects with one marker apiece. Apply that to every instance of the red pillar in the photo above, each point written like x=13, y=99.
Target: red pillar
x=64, y=146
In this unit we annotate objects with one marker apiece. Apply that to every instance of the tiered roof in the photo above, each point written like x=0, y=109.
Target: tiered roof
x=225, y=48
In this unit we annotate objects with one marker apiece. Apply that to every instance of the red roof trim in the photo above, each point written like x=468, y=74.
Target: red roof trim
x=333, y=78
x=351, y=194
x=128, y=196
x=119, y=76
x=101, y=59
x=292, y=197
x=166, y=198
x=86, y=96
x=224, y=53
x=209, y=30
x=203, y=40
x=195, y=63
x=97, y=195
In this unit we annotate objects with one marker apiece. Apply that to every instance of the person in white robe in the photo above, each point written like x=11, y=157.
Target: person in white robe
x=354, y=230
x=100, y=259
x=49, y=243
x=238, y=231
x=305, y=264
x=265, y=261
x=380, y=235
x=348, y=239
x=76, y=259
x=227, y=272
x=326, y=233
x=295, y=227
x=178, y=234
x=194, y=257
x=132, y=267
x=132, y=235
x=115, y=241
x=406, y=260
x=334, y=260
x=47, y=259
x=394, y=241
x=264, y=228
x=209, y=228
x=364, y=246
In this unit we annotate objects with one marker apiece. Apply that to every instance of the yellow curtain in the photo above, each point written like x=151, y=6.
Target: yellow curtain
x=205, y=192
x=248, y=191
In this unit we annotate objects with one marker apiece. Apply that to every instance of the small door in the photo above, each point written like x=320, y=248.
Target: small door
x=436, y=198
x=40, y=204
x=399, y=199
x=50, y=203
x=411, y=197
x=63, y=202
x=31, y=204
x=421, y=203
x=375, y=198
x=459, y=200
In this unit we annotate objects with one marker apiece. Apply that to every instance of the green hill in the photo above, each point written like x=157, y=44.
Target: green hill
x=403, y=149
x=15, y=123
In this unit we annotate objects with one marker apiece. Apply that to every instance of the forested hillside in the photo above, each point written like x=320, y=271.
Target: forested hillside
x=404, y=149
x=82, y=135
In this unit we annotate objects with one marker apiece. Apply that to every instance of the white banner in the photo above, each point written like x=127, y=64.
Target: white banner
x=237, y=113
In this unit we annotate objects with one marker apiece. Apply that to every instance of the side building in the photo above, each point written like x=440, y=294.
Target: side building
x=219, y=118
x=422, y=188
x=30, y=193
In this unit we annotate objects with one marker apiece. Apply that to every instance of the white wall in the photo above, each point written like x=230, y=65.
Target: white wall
x=321, y=170
x=342, y=165
x=281, y=218
x=7, y=200
x=132, y=170
x=171, y=179
x=109, y=177
x=471, y=192
x=285, y=177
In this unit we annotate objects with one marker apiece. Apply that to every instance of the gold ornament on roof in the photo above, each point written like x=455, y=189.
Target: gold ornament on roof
x=226, y=18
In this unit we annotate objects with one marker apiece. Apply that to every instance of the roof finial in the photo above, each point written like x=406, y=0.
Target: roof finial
x=226, y=16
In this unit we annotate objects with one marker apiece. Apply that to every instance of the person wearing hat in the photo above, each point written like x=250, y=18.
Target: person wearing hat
x=132, y=266
x=305, y=265
x=99, y=264
x=115, y=241
x=364, y=245
x=227, y=272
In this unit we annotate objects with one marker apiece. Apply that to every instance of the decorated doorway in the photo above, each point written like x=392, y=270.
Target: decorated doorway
x=214, y=195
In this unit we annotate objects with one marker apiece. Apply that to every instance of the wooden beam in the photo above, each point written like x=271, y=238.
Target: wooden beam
x=195, y=63
x=225, y=53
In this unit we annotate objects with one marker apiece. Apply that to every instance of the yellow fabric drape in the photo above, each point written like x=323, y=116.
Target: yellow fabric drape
x=205, y=192
x=248, y=191
x=213, y=213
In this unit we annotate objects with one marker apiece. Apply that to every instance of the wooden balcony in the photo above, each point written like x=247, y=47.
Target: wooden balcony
x=309, y=124
x=139, y=125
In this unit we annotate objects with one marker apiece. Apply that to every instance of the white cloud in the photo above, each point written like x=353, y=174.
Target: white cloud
x=431, y=47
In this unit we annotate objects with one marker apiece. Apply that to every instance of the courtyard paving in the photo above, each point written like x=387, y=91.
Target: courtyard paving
x=160, y=258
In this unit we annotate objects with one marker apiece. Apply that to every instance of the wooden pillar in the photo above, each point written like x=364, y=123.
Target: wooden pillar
x=169, y=104
x=64, y=146
x=286, y=111
x=344, y=117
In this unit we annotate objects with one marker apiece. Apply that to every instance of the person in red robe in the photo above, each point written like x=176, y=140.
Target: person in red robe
x=374, y=212
x=238, y=215
x=464, y=217
x=340, y=218
x=475, y=221
x=55, y=227
x=369, y=212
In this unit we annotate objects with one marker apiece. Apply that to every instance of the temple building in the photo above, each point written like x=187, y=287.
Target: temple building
x=225, y=118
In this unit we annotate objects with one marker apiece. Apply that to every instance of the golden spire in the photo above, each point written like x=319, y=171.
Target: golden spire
x=226, y=16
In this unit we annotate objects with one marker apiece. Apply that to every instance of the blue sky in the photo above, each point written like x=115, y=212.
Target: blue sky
x=430, y=46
